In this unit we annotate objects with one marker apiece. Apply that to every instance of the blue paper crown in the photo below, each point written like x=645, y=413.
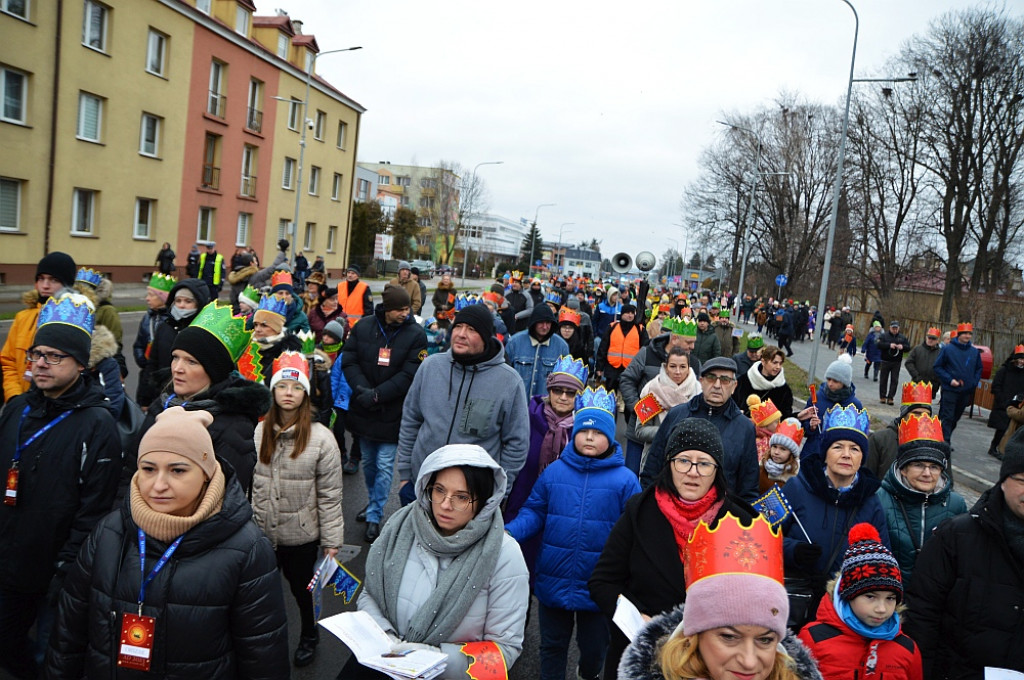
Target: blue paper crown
x=71, y=309
x=274, y=305
x=599, y=399
x=554, y=298
x=847, y=418
x=90, y=276
x=462, y=301
x=571, y=367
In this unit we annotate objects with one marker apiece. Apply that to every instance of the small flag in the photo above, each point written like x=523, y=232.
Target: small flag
x=647, y=408
x=345, y=584
x=774, y=506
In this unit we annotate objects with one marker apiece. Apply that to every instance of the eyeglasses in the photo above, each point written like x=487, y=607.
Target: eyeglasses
x=459, y=501
x=562, y=392
x=52, y=358
x=726, y=380
x=918, y=466
x=684, y=465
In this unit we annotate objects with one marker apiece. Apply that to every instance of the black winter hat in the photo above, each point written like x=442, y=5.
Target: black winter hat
x=395, y=297
x=1013, y=457
x=60, y=266
x=695, y=434
x=354, y=268
x=703, y=316
x=283, y=244
x=628, y=308
x=923, y=450
x=479, y=318
x=207, y=350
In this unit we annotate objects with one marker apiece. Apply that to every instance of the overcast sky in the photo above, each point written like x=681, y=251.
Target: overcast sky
x=601, y=108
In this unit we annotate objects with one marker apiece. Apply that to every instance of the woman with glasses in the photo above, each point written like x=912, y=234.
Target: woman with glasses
x=643, y=557
x=916, y=492
x=444, y=575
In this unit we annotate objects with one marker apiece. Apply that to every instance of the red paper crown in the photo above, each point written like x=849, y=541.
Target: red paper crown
x=569, y=314
x=762, y=412
x=964, y=328
x=917, y=393
x=496, y=298
x=794, y=431
x=1019, y=349
x=731, y=548
x=293, y=360
x=921, y=427
x=934, y=332
x=279, y=277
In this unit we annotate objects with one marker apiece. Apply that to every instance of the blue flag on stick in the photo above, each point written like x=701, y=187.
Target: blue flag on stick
x=774, y=506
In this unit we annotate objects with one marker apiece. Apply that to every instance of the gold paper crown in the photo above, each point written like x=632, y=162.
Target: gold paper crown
x=762, y=412
x=517, y=275
x=917, y=393
x=731, y=548
x=921, y=427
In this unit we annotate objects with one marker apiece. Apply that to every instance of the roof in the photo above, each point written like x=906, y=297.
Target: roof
x=279, y=21
x=306, y=40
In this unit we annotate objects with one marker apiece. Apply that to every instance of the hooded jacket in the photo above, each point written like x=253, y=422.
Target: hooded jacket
x=218, y=603
x=17, y=344
x=498, y=614
x=870, y=347
x=106, y=370
x=145, y=334
x=163, y=338
x=535, y=358
x=959, y=361
x=574, y=506
x=707, y=346
x=454, y=403
x=67, y=481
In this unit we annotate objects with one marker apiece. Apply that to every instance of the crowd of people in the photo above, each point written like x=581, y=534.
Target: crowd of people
x=756, y=537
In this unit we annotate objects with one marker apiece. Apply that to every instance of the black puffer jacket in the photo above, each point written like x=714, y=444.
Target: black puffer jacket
x=966, y=600
x=1007, y=385
x=164, y=334
x=218, y=604
x=378, y=415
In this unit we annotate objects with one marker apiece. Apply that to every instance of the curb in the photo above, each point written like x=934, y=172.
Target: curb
x=980, y=485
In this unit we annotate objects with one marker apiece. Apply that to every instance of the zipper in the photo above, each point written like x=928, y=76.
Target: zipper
x=924, y=511
x=115, y=646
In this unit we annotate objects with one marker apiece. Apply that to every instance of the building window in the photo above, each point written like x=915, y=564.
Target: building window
x=254, y=113
x=149, y=137
x=426, y=202
x=336, y=187
x=428, y=183
x=145, y=212
x=10, y=204
x=156, y=52
x=18, y=8
x=309, y=236
x=15, y=86
x=424, y=221
x=294, y=108
x=248, y=171
x=403, y=181
x=406, y=201
x=309, y=61
x=332, y=238
x=241, y=21
x=242, y=232
x=321, y=123
x=203, y=6
x=282, y=45
x=282, y=229
x=211, y=165
x=342, y=129
x=94, y=26
x=383, y=179
x=363, y=191
x=218, y=101
x=90, y=117
x=288, y=176
x=314, y=181
x=83, y=208
x=206, y=224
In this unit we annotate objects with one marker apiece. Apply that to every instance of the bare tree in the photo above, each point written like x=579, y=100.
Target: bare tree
x=439, y=208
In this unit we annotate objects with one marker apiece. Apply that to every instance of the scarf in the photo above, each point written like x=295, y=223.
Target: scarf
x=178, y=314
x=774, y=470
x=474, y=551
x=840, y=395
x=667, y=392
x=762, y=384
x=887, y=631
x=166, y=528
x=684, y=516
x=556, y=437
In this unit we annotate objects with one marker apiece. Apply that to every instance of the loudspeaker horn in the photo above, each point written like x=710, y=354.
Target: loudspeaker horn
x=645, y=261
x=622, y=263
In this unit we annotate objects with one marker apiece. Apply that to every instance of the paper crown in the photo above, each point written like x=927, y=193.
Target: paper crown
x=162, y=282
x=921, y=427
x=570, y=315
x=517, y=275
x=916, y=393
x=251, y=295
x=679, y=326
x=274, y=305
x=1019, y=349
x=90, y=276
x=934, y=332
x=731, y=548
x=724, y=314
x=497, y=298
x=69, y=309
x=762, y=412
x=308, y=340
x=755, y=341
x=280, y=277
x=964, y=328
x=462, y=301
x=575, y=368
x=293, y=364
x=597, y=399
x=554, y=298
x=792, y=430
x=217, y=320
x=847, y=418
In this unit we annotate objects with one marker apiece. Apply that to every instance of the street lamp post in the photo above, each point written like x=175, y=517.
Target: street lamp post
x=672, y=270
x=533, y=239
x=469, y=213
x=750, y=206
x=561, y=249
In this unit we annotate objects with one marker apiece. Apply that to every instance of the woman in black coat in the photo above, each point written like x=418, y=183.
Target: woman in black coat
x=215, y=603
x=183, y=304
x=1007, y=390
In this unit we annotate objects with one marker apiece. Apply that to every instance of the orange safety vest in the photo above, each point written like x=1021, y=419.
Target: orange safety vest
x=352, y=305
x=622, y=348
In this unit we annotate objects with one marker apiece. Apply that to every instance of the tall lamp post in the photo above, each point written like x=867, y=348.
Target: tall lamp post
x=469, y=213
x=750, y=205
x=533, y=241
x=302, y=144
x=561, y=250
x=672, y=270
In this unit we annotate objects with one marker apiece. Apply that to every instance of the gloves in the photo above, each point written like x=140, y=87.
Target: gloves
x=366, y=397
x=400, y=646
x=806, y=555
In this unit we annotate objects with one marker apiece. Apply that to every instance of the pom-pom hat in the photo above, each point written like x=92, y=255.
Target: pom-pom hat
x=790, y=434
x=763, y=413
x=868, y=565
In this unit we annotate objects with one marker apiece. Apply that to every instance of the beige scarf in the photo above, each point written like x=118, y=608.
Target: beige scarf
x=166, y=528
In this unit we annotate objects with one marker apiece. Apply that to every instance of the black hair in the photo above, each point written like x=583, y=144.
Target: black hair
x=479, y=483
x=664, y=479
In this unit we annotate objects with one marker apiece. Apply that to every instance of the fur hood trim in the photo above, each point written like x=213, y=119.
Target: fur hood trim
x=30, y=298
x=325, y=365
x=236, y=395
x=104, y=345
x=639, y=662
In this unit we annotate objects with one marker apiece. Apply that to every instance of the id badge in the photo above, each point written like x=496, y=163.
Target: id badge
x=136, y=642
x=11, y=492
x=384, y=356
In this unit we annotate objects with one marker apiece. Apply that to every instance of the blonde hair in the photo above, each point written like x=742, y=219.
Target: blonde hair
x=680, y=659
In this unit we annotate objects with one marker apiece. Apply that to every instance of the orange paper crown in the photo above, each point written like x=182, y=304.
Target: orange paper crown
x=920, y=428
x=569, y=314
x=497, y=298
x=281, y=277
x=794, y=431
x=934, y=332
x=762, y=412
x=964, y=328
x=731, y=548
x=917, y=393
x=293, y=360
x=1019, y=349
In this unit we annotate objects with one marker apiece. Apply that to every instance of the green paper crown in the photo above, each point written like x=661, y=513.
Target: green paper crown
x=677, y=326
x=308, y=340
x=217, y=320
x=162, y=282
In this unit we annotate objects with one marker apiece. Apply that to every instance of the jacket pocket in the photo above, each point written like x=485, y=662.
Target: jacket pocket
x=478, y=417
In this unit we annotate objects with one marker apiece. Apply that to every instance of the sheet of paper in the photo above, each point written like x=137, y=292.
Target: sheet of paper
x=360, y=632
x=1002, y=674
x=628, y=618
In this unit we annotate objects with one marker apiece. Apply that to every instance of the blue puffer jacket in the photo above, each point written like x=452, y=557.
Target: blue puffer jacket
x=812, y=437
x=959, y=361
x=339, y=386
x=575, y=503
x=870, y=347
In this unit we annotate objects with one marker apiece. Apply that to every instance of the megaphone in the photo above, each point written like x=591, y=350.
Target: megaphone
x=622, y=263
x=645, y=261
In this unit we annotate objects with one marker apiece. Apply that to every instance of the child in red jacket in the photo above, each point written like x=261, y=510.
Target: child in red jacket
x=857, y=632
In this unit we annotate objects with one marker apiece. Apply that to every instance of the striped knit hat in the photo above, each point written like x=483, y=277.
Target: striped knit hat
x=868, y=565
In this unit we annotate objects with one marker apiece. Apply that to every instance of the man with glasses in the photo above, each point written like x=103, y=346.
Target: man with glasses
x=61, y=456
x=967, y=593
x=715, y=404
x=921, y=360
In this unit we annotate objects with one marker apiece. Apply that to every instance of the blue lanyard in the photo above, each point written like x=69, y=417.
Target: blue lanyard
x=146, y=580
x=387, y=339
x=167, y=404
x=40, y=432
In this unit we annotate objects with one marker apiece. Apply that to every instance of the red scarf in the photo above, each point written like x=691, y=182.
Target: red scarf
x=684, y=516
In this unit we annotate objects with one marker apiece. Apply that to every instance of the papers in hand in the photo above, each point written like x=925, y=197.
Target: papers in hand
x=370, y=644
x=1002, y=674
x=628, y=618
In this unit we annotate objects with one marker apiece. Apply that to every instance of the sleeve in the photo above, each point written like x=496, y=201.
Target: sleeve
x=13, y=370
x=977, y=368
x=65, y=657
x=417, y=300
x=611, y=573
x=350, y=362
x=515, y=434
x=884, y=340
x=997, y=383
x=367, y=302
x=602, y=351
x=630, y=379
x=928, y=594
x=329, y=493
x=141, y=341
x=367, y=604
x=748, y=473
x=940, y=368
x=397, y=386
x=259, y=627
x=531, y=517
x=113, y=390
x=412, y=418
x=911, y=364
x=656, y=455
x=716, y=346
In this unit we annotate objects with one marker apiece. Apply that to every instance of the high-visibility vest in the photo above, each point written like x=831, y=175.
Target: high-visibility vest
x=622, y=348
x=352, y=304
x=218, y=267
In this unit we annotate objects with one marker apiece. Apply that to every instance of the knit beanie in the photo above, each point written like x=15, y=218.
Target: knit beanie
x=868, y=565
x=207, y=350
x=790, y=435
x=353, y=267
x=628, y=308
x=335, y=329
x=66, y=324
x=841, y=371
x=182, y=433
x=924, y=450
x=291, y=366
x=249, y=296
x=695, y=434
x=60, y=266
x=1013, y=457
x=272, y=319
x=595, y=410
x=477, y=317
x=395, y=297
x=564, y=381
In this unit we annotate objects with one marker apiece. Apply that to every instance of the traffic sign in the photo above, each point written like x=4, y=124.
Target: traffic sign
x=781, y=280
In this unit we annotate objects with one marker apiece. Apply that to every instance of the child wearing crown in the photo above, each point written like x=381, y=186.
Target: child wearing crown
x=783, y=460
x=573, y=505
x=765, y=417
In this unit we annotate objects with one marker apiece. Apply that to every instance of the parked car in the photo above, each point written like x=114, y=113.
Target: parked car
x=426, y=268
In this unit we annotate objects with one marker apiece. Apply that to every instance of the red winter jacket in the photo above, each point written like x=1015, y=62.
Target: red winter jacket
x=842, y=654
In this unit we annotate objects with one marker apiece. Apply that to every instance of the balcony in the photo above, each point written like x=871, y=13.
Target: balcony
x=211, y=177
x=216, y=104
x=248, y=186
x=254, y=120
